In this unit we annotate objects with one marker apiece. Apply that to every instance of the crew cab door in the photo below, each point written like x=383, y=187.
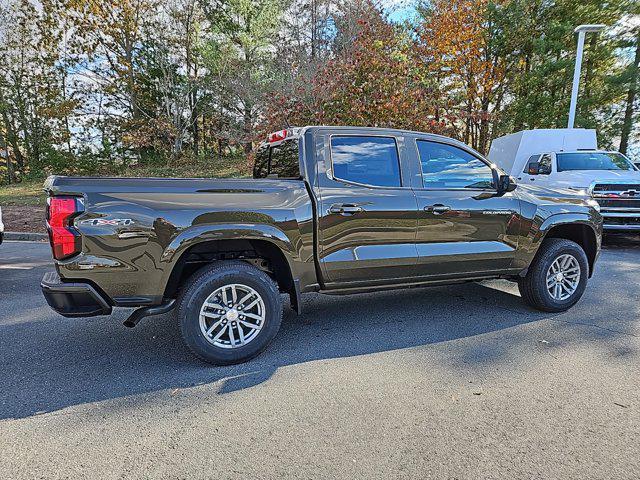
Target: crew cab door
x=367, y=215
x=464, y=227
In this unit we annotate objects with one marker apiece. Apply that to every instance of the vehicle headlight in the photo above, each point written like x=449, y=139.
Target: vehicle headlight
x=592, y=203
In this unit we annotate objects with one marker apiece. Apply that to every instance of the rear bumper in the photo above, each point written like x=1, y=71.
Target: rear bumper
x=73, y=299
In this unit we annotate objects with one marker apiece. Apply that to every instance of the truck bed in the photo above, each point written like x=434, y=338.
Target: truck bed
x=139, y=227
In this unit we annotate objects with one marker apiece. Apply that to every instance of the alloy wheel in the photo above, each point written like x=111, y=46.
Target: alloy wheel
x=563, y=277
x=232, y=316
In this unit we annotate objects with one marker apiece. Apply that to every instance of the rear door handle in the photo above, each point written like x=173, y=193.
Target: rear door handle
x=437, y=209
x=345, y=209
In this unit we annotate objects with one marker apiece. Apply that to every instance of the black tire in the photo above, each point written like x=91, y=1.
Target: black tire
x=205, y=282
x=533, y=287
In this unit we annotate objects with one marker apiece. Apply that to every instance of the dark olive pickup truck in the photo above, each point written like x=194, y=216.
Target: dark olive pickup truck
x=330, y=209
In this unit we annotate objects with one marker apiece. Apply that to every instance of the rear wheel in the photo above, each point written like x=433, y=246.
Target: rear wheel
x=557, y=277
x=229, y=312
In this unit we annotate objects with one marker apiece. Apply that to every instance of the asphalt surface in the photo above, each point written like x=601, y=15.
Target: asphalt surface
x=450, y=382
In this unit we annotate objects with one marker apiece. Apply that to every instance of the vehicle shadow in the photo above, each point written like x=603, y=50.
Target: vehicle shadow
x=622, y=240
x=50, y=363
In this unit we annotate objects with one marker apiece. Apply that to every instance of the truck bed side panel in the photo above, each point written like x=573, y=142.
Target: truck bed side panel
x=135, y=230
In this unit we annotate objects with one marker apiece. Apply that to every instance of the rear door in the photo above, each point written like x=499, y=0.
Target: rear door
x=367, y=213
x=464, y=227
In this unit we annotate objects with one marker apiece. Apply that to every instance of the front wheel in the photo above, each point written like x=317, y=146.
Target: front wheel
x=229, y=312
x=557, y=277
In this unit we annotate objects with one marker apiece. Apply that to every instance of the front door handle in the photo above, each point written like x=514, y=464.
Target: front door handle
x=345, y=209
x=437, y=209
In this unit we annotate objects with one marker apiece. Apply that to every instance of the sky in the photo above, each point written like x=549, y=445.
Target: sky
x=399, y=10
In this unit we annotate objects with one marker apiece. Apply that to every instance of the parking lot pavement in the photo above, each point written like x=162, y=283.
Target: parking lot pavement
x=448, y=382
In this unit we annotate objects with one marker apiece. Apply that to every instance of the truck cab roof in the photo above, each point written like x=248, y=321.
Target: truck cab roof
x=296, y=132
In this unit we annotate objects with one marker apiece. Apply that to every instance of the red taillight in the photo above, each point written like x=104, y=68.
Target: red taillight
x=277, y=136
x=64, y=238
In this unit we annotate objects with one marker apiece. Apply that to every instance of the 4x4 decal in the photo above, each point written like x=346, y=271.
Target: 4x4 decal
x=99, y=222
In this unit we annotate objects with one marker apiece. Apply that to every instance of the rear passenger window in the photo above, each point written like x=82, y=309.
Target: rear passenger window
x=367, y=160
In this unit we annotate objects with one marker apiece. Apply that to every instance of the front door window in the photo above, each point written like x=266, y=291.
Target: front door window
x=445, y=166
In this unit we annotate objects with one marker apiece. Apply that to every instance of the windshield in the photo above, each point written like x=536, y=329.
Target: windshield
x=593, y=161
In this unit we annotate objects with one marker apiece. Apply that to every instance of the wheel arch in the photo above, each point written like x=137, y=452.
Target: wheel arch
x=581, y=232
x=266, y=254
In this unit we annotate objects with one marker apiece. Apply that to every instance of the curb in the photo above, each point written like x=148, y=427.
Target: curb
x=26, y=237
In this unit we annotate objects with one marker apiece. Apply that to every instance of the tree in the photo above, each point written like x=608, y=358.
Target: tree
x=184, y=24
x=109, y=38
x=240, y=57
x=546, y=44
x=632, y=77
x=33, y=107
x=374, y=80
x=169, y=80
x=459, y=41
x=91, y=86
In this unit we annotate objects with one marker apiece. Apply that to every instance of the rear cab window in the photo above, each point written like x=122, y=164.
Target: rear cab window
x=278, y=160
x=366, y=160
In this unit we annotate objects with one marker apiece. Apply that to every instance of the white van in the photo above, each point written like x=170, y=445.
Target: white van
x=570, y=159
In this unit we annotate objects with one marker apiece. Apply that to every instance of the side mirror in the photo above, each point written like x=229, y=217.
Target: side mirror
x=533, y=168
x=506, y=184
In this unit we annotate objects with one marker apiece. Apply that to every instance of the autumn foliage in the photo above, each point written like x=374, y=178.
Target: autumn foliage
x=441, y=79
x=377, y=81
x=456, y=49
x=90, y=86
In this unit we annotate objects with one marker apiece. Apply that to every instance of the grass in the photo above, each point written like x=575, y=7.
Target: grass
x=23, y=193
x=201, y=168
x=29, y=192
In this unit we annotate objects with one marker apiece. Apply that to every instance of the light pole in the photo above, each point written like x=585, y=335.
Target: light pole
x=581, y=30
